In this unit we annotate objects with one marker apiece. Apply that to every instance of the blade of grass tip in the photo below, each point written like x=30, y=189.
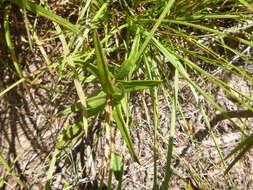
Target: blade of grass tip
x=168, y=170
x=104, y=75
x=99, y=13
x=210, y=16
x=46, y=13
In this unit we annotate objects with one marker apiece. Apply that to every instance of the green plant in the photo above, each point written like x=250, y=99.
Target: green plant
x=124, y=46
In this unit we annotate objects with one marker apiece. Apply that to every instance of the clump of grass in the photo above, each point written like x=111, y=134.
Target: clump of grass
x=118, y=48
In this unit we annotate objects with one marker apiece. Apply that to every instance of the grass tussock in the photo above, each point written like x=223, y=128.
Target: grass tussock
x=126, y=94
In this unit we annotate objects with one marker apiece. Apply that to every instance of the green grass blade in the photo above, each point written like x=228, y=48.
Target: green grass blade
x=150, y=66
x=12, y=86
x=129, y=64
x=83, y=99
x=116, y=165
x=95, y=103
x=135, y=85
x=5, y=164
x=137, y=57
x=168, y=171
x=10, y=44
x=100, y=12
x=165, y=13
x=203, y=28
x=121, y=125
x=176, y=63
x=69, y=134
x=46, y=13
x=104, y=75
x=210, y=16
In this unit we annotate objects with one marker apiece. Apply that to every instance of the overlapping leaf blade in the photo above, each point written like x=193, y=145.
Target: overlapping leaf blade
x=104, y=75
x=37, y=9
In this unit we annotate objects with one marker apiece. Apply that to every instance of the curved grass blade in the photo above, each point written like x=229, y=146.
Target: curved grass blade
x=223, y=33
x=46, y=13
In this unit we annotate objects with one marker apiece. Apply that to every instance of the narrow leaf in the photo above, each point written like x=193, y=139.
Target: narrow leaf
x=129, y=64
x=124, y=131
x=95, y=103
x=46, y=13
x=135, y=85
x=104, y=75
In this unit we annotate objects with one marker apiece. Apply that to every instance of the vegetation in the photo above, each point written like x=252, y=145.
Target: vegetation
x=88, y=87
